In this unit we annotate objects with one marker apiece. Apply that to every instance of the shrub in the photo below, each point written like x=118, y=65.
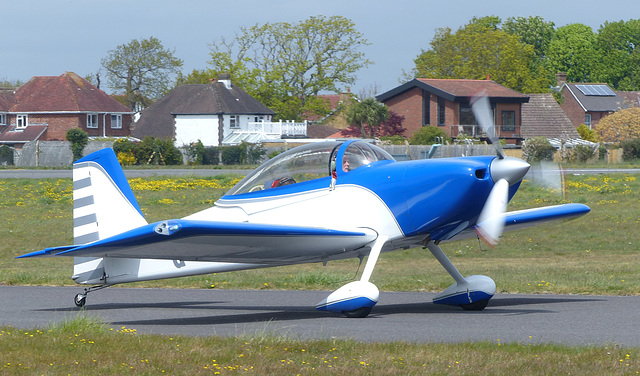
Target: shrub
x=195, y=152
x=583, y=152
x=538, y=149
x=149, y=151
x=587, y=134
x=211, y=156
x=630, y=149
x=427, y=135
x=6, y=155
x=126, y=158
x=79, y=140
x=244, y=153
x=393, y=140
x=232, y=155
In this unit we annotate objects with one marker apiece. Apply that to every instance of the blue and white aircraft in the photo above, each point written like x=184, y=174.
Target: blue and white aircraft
x=314, y=203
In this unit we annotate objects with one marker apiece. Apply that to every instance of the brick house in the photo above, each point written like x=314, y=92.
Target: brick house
x=587, y=103
x=46, y=107
x=445, y=103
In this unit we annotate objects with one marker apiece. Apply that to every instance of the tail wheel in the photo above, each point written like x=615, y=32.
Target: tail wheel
x=80, y=300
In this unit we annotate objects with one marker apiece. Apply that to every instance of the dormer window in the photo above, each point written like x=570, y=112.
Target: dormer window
x=92, y=120
x=22, y=121
x=3, y=119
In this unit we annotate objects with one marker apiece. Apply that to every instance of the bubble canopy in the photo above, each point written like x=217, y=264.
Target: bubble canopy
x=310, y=162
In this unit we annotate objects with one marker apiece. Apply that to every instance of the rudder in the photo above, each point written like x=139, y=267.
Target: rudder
x=103, y=205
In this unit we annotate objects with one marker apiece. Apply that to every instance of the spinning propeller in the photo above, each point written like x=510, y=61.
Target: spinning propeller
x=505, y=171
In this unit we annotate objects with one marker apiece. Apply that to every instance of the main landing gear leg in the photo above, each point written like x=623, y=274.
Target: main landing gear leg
x=356, y=299
x=81, y=299
x=471, y=293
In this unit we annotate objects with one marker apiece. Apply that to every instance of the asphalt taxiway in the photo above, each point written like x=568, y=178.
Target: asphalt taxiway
x=399, y=316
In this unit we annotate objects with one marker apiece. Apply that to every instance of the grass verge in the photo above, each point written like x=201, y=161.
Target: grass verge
x=85, y=346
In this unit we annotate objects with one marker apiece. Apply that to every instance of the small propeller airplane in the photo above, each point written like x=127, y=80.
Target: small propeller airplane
x=314, y=203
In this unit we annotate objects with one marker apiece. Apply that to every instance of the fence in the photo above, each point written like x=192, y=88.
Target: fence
x=51, y=153
x=58, y=153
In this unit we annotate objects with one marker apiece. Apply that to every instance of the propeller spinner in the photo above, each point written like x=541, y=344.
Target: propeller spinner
x=505, y=171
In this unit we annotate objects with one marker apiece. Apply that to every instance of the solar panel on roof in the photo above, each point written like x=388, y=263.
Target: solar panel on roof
x=596, y=90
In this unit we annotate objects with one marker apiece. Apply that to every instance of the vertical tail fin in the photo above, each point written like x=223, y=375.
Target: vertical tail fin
x=103, y=202
x=103, y=206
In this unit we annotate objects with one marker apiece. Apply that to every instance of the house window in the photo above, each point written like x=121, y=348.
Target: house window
x=3, y=119
x=426, y=108
x=441, y=108
x=21, y=121
x=508, y=120
x=234, y=121
x=259, y=119
x=92, y=120
x=466, y=115
x=116, y=121
x=587, y=120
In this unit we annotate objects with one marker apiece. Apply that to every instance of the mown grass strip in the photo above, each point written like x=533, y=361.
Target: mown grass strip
x=85, y=346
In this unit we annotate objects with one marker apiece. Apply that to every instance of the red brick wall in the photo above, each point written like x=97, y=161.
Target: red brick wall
x=572, y=108
x=409, y=105
x=59, y=124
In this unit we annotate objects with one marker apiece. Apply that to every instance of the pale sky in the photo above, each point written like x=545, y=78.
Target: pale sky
x=50, y=37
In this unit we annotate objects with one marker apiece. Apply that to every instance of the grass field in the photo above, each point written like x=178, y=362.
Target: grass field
x=595, y=254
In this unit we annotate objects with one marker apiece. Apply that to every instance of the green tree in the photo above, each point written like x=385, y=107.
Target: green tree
x=286, y=65
x=587, y=134
x=618, y=47
x=532, y=30
x=141, y=69
x=572, y=50
x=367, y=115
x=79, y=140
x=475, y=51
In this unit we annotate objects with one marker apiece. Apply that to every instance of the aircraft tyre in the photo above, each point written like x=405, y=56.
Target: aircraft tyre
x=475, y=306
x=80, y=300
x=358, y=313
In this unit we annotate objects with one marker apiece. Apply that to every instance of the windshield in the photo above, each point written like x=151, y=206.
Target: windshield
x=309, y=162
x=303, y=163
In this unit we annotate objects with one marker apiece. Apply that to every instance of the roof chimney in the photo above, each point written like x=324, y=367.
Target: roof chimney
x=225, y=78
x=561, y=78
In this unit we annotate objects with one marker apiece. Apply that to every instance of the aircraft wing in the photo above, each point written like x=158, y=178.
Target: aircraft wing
x=520, y=219
x=190, y=240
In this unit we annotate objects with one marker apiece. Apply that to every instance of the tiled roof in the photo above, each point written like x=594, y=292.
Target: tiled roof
x=30, y=133
x=7, y=99
x=214, y=98
x=631, y=98
x=320, y=130
x=542, y=116
x=596, y=103
x=65, y=93
x=456, y=90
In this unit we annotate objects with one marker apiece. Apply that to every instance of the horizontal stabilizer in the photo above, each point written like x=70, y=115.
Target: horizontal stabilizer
x=48, y=251
x=190, y=240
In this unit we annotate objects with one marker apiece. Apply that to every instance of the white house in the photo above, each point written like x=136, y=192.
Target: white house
x=206, y=112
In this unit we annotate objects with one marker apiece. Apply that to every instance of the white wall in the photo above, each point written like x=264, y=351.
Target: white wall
x=191, y=128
